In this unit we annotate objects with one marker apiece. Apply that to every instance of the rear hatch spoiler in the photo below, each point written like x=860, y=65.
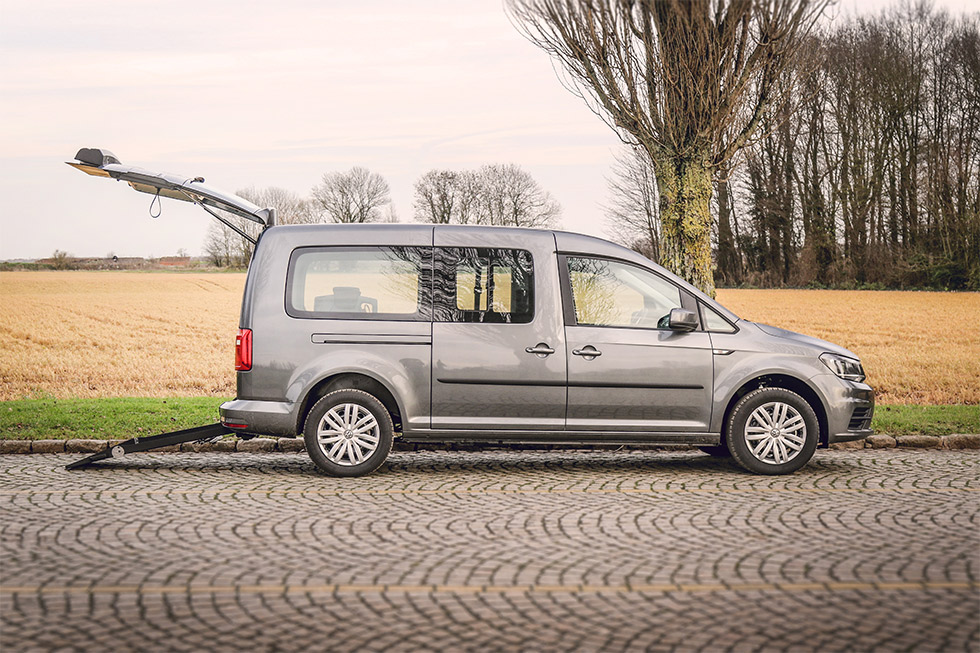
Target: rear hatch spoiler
x=103, y=163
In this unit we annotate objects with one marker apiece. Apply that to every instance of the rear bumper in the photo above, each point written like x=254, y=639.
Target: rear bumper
x=263, y=417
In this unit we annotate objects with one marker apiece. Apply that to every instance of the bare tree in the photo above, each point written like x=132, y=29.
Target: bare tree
x=290, y=207
x=509, y=195
x=633, y=215
x=222, y=246
x=498, y=194
x=686, y=80
x=357, y=195
x=444, y=197
x=62, y=260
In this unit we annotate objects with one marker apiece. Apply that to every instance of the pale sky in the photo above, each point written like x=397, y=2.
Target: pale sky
x=272, y=94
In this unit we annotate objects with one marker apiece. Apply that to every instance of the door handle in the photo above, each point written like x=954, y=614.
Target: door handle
x=588, y=352
x=540, y=350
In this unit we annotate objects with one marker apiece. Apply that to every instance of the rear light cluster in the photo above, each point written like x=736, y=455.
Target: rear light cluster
x=243, y=350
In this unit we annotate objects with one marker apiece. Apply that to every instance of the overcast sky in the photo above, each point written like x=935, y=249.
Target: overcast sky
x=273, y=94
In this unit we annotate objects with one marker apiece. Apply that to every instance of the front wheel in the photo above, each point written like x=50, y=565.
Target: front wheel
x=348, y=433
x=772, y=431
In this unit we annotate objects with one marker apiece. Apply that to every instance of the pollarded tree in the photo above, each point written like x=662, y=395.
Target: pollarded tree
x=686, y=80
x=357, y=195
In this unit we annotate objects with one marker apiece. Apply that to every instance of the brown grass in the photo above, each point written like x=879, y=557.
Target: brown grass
x=916, y=347
x=102, y=334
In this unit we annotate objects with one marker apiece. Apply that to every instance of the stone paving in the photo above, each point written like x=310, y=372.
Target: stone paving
x=495, y=550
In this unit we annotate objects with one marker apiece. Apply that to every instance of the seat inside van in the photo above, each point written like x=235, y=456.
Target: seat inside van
x=345, y=299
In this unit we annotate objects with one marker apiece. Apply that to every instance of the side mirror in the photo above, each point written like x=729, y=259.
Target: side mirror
x=682, y=319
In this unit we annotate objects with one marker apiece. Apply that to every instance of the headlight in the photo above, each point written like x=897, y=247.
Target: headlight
x=845, y=368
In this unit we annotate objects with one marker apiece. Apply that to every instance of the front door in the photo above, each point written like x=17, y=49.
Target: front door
x=498, y=347
x=626, y=370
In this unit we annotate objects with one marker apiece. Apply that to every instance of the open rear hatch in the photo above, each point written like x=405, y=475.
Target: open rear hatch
x=103, y=163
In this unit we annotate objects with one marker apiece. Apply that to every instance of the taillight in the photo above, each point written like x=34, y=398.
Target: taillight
x=243, y=350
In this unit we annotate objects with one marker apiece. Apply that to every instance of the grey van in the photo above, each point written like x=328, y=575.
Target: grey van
x=359, y=335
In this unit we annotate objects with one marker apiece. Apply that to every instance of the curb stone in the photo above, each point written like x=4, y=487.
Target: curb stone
x=292, y=445
x=920, y=441
x=847, y=446
x=15, y=446
x=48, y=446
x=257, y=445
x=962, y=441
x=881, y=441
x=954, y=442
x=85, y=446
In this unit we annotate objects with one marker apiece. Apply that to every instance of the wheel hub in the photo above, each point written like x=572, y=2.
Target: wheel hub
x=348, y=434
x=775, y=433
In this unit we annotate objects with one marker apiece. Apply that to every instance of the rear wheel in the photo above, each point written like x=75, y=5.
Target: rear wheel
x=348, y=433
x=772, y=431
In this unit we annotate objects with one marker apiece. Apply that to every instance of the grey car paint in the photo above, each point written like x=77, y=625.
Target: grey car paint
x=484, y=377
x=464, y=381
x=540, y=378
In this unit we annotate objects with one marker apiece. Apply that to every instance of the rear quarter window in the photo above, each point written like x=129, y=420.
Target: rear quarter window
x=361, y=283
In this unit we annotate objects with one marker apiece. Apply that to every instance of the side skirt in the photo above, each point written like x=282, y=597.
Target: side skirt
x=419, y=436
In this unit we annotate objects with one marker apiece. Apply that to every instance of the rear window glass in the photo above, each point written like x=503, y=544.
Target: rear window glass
x=359, y=283
x=484, y=285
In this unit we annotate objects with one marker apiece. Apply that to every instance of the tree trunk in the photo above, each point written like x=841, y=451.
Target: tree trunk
x=685, y=216
x=727, y=261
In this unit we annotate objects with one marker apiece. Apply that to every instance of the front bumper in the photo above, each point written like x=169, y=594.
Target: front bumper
x=850, y=408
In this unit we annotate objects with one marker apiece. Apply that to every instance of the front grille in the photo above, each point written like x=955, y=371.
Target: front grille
x=860, y=419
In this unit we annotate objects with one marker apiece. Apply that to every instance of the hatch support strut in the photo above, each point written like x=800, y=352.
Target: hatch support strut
x=227, y=223
x=197, y=434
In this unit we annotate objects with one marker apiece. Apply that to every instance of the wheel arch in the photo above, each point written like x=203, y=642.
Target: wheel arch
x=353, y=381
x=786, y=382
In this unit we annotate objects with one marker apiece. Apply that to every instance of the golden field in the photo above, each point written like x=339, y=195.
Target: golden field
x=100, y=334
x=106, y=334
x=916, y=347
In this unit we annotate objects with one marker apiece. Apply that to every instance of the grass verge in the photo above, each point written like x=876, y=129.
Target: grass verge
x=124, y=417
x=896, y=419
x=116, y=418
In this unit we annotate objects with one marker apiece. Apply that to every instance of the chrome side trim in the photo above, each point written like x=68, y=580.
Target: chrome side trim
x=572, y=384
x=369, y=339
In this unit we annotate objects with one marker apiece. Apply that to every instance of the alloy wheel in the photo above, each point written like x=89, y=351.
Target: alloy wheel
x=348, y=434
x=775, y=433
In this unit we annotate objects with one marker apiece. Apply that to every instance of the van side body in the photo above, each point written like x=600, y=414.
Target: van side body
x=558, y=361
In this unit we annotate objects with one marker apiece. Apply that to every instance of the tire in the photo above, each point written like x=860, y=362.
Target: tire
x=717, y=451
x=772, y=431
x=348, y=433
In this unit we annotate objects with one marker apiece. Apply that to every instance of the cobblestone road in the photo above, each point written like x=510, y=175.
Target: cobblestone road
x=495, y=550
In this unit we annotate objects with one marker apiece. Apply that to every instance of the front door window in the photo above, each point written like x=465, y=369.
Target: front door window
x=610, y=293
